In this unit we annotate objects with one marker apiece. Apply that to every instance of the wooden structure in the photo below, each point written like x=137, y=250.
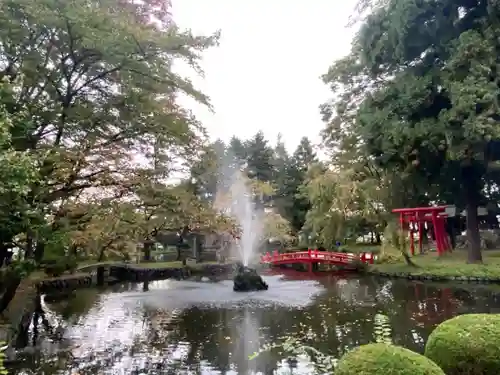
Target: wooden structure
x=313, y=257
x=414, y=220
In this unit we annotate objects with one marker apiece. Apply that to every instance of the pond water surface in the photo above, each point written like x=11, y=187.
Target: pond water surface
x=191, y=327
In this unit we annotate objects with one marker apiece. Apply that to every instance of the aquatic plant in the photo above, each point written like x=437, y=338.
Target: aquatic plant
x=383, y=330
x=3, y=346
x=293, y=346
x=324, y=363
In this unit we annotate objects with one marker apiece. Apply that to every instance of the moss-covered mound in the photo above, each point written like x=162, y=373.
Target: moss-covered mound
x=468, y=344
x=384, y=359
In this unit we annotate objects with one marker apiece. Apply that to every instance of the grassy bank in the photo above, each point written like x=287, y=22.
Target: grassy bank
x=172, y=264
x=449, y=265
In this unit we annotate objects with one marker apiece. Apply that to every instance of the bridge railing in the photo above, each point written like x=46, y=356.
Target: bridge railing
x=316, y=256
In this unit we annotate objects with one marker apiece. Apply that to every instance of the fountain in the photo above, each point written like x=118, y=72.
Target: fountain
x=241, y=206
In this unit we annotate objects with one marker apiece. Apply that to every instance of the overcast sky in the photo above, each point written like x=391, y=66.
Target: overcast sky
x=265, y=74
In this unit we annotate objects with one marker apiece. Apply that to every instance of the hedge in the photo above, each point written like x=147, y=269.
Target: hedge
x=467, y=344
x=385, y=359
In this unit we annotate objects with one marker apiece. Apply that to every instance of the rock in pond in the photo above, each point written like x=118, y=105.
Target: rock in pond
x=248, y=280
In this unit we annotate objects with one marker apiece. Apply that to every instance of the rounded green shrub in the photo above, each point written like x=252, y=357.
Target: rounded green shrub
x=385, y=359
x=467, y=344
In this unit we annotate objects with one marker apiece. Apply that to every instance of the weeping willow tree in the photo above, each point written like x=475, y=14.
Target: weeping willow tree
x=277, y=227
x=344, y=201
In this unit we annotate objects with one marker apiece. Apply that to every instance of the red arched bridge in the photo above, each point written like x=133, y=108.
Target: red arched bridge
x=313, y=257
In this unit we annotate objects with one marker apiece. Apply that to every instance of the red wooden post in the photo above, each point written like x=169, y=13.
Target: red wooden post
x=412, y=239
x=446, y=239
x=441, y=234
x=419, y=216
x=420, y=235
x=437, y=233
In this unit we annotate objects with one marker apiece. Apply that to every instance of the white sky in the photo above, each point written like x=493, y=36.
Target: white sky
x=265, y=74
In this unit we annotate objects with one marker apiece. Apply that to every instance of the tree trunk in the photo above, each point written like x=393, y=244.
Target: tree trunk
x=472, y=185
x=39, y=250
x=377, y=238
x=3, y=253
x=472, y=224
x=100, y=258
x=408, y=260
x=451, y=231
x=198, y=245
x=10, y=291
x=492, y=220
x=148, y=246
x=29, y=245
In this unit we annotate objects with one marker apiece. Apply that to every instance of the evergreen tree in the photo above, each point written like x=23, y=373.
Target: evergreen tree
x=259, y=158
x=283, y=198
x=303, y=157
x=206, y=172
x=237, y=150
x=419, y=92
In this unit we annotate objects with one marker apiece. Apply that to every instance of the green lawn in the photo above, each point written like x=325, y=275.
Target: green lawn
x=173, y=264
x=454, y=264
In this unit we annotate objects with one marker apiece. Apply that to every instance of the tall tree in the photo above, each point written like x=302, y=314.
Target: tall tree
x=98, y=86
x=423, y=99
x=237, y=150
x=259, y=158
x=94, y=83
x=304, y=155
x=283, y=198
x=18, y=171
x=207, y=171
x=302, y=159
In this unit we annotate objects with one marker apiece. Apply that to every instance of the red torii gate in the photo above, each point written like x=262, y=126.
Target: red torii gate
x=417, y=217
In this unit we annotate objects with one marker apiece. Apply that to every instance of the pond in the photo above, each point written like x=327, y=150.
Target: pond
x=202, y=327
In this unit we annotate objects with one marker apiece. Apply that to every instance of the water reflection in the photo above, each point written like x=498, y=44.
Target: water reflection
x=205, y=328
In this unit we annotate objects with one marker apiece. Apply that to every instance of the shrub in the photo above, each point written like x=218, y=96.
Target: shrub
x=56, y=267
x=467, y=344
x=385, y=359
x=359, y=266
x=393, y=244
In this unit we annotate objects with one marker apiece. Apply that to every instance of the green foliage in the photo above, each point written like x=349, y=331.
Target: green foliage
x=58, y=266
x=275, y=177
x=394, y=243
x=85, y=87
x=323, y=363
x=343, y=204
x=22, y=268
x=3, y=370
x=17, y=168
x=466, y=344
x=259, y=158
x=420, y=101
x=385, y=359
x=383, y=330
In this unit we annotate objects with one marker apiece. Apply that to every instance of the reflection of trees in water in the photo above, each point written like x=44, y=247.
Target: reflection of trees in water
x=78, y=304
x=336, y=321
